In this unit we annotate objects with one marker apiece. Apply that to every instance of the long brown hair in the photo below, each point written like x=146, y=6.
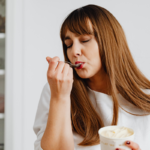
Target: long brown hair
x=117, y=62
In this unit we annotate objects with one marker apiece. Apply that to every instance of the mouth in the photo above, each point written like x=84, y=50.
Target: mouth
x=81, y=66
x=77, y=62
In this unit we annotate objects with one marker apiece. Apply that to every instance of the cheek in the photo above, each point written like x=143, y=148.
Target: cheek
x=68, y=55
x=94, y=51
x=94, y=57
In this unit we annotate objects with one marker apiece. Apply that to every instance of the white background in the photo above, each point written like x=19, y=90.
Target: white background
x=40, y=22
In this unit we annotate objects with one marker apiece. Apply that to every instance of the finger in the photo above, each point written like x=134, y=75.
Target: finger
x=70, y=73
x=132, y=145
x=60, y=67
x=53, y=63
x=65, y=70
x=48, y=58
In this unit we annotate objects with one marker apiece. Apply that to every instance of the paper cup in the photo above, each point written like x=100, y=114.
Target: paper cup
x=113, y=143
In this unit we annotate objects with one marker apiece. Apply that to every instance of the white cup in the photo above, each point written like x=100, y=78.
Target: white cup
x=111, y=143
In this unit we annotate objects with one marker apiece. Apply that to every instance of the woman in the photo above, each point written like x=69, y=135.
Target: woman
x=108, y=89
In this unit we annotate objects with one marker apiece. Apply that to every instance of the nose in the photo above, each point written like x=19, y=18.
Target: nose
x=76, y=49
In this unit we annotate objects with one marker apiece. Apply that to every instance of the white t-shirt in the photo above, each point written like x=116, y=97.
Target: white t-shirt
x=104, y=106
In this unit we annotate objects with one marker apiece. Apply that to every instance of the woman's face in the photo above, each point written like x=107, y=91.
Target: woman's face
x=83, y=48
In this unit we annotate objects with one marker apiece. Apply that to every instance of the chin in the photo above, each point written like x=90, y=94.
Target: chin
x=83, y=76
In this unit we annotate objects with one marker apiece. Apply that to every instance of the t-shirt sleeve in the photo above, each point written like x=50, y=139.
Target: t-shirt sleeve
x=41, y=116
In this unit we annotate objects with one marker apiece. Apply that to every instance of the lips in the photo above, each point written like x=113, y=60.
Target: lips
x=77, y=62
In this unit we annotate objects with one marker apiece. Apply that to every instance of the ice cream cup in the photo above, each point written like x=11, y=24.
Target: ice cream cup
x=111, y=143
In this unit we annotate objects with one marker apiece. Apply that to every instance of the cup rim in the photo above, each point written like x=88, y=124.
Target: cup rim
x=100, y=130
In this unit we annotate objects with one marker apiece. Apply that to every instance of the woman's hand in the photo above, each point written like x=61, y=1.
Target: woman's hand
x=60, y=78
x=132, y=145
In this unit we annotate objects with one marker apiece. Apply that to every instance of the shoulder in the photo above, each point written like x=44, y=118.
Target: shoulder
x=46, y=88
x=43, y=108
x=44, y=100
x=42, y=113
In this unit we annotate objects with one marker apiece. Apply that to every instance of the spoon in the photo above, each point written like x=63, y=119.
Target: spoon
x=73, y=65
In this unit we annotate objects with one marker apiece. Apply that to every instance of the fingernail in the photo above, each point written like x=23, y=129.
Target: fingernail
x=117, y=149
x=128, y=142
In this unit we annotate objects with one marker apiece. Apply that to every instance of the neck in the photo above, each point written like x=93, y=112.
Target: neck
x=99, y=82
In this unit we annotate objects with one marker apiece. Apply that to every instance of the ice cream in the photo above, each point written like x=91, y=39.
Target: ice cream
x=112, y=137
x=119, y=132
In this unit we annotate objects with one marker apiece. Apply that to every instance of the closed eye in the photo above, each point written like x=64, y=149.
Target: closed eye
x=85, y=41
x=82, y=42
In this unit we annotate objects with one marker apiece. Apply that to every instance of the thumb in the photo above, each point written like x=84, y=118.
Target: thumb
x=48, y=58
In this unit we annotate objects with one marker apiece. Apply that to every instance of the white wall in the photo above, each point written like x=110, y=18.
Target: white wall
x=41, y=25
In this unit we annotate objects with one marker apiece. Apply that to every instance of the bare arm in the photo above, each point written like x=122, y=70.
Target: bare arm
x=58, y=134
